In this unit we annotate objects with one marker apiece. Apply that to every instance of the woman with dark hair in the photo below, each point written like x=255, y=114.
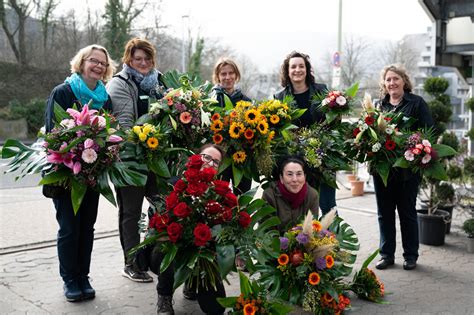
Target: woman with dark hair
x=291, y=195
x=402, y=186
x=90, y=67
x=130, y=90
x=297, y=80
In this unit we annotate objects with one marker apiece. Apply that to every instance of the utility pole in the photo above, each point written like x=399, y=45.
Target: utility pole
x=336, y=73
x=184, y=41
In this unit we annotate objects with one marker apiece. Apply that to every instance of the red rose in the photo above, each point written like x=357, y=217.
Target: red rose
x=180, y=186
x=355, y=132
x=221, y=187
x=208, y=174
x=174, y=231
x=171, y=201
x=197, y=189
x=244, y=219
x=192, y=175
x=227, y=214
x=159, y=222
x=231, y=200
x=390, y=145
x=195, y=162
x=369, y=120
x=213, y=207
x=202, y=234
x=182, y=210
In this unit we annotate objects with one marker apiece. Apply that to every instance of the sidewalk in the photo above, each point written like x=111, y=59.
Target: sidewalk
x=443, y=282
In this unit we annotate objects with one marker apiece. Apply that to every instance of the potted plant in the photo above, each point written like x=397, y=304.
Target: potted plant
x=468, y=227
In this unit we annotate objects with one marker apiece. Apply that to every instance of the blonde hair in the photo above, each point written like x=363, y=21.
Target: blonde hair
x=138, y=43
x=221, y=63
x=77, y=62
x=401, y=71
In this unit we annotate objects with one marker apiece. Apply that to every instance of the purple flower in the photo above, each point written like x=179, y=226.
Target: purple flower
x=180, y=107
x=283, y=243
x=302, y=238
x=320, y=263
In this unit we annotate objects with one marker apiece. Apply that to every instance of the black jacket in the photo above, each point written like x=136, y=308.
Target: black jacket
x=64, y=96
x=312, y=115
x=235, y=97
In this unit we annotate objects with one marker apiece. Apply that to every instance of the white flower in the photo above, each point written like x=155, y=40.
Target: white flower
x=68, y=123
x=409, y=155
x=389, y=130
x=101, y=122
x=89, y=156
x=341, y=100
x=426, y=159
x=376, y=147
x=426, y=143
x=363, y=127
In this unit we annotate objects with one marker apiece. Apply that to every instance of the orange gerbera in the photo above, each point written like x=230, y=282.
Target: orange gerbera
x=329, y=261
x=216, y=116
x=283, y=259
x=217, y=138
x=274, y=119
x=249, y=309
x=233, y=114
x=327, y=298
x=314, y=278
x=185, y=117
x=152, y=143
x=170, y=101
x=317, y=226
x=249, y=134
x=239, y=157
x=217, y=125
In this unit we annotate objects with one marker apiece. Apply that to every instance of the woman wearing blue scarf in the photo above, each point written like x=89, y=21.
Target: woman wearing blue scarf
x=131, y=90
x=89, y=67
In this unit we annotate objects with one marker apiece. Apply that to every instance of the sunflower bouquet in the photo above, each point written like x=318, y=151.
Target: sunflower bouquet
x=314, y=256
x=377, y=138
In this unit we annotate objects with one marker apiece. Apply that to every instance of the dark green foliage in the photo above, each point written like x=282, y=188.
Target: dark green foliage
x=436, y=86
x=196, y=59
x=470, y=103
x=449, y=138
x=445, y=99
x=454, y=172
x=441, y=115
x=445, y=192
x=470, y=134
x=32, y=111
x=468, y=227
x=469, y=167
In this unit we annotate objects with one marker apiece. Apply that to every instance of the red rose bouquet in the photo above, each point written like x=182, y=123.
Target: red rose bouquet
x=335, y=103
x=199, y=222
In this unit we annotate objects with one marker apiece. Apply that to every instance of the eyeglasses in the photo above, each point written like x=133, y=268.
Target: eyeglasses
x=97, y=62
x=209, y=160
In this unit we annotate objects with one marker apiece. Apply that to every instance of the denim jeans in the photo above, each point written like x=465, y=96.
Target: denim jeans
x=75, y=234
x=401, y=195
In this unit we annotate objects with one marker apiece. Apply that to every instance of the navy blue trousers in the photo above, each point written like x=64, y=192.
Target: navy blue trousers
x=401, y=195
x=75, y=234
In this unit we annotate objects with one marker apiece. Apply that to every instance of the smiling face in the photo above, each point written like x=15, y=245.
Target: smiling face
x=94, y=67
x=394, y=84
x=141, y=62
x=293, y=177
x=227, y=78
x=211, y=157
x=297, y=70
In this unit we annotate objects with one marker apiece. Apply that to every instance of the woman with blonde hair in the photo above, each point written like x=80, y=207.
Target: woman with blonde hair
x=90, y=67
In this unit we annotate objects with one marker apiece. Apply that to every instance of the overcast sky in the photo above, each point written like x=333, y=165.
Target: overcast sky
x=266, y=30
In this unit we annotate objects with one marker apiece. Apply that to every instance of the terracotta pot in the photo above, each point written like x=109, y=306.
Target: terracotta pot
x=351, y=177
x=357, y=188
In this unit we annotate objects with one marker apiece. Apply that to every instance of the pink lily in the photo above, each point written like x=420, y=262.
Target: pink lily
x=115, y=138
x=54, y=157
x=68, y=160
x=76, y=168
x=89, y=143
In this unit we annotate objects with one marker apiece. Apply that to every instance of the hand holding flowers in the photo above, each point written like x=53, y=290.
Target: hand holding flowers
x=335, y=103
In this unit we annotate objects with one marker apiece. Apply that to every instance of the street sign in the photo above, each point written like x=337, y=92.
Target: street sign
x=336, y=60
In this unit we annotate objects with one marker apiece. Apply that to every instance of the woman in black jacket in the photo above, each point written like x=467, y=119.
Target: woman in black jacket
x=298, y=81
x=402, y=186
x=90, y=67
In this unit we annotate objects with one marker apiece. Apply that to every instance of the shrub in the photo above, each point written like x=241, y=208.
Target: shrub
x=468, y=227
x=32, y=111
x=470, y=134
x=454, y=172
x=449, y=138
x=436, y=86
x=470, y=103
x=445, y=192
x=469, y=167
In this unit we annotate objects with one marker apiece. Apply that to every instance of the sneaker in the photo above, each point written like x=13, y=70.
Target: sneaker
x=72, y=291
x=189, y=293
x=136, y=275
x=87, y=291
x=165, y=305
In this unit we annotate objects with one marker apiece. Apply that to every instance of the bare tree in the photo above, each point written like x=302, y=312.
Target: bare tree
x=22, y=11
x=45, y=15
x=354, y=60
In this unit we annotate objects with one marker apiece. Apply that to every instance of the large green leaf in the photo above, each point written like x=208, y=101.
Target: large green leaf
x=370, y=258
x=158, y=166
x=237, y=175
x=352, y=91
x=383, y=169
x=78, y=191
x=228, y=103
x=171, y=251
x=225, y=259
x=228, y=302
x=436, y=171
x=245, y=286
x=104, y=188
x=444, y=150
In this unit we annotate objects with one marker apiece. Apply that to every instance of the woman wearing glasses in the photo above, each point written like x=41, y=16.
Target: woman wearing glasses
x=130, y=90
x=90, y=67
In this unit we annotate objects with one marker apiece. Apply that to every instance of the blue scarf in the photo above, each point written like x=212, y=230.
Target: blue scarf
x=148, y=83
x=83, y=94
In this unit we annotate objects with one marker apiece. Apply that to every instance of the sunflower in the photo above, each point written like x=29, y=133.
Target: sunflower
x=152, y=143
x=239, y=157
x=217, y=125
x=249, y=134
x=262, y=126
x=249, y=309
x=283, y=259
x=274, y=119
x=329, y=261
x=236, y=129
x=252, y=116
x=216, y=116
x=314, y=278
x=217, y=138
